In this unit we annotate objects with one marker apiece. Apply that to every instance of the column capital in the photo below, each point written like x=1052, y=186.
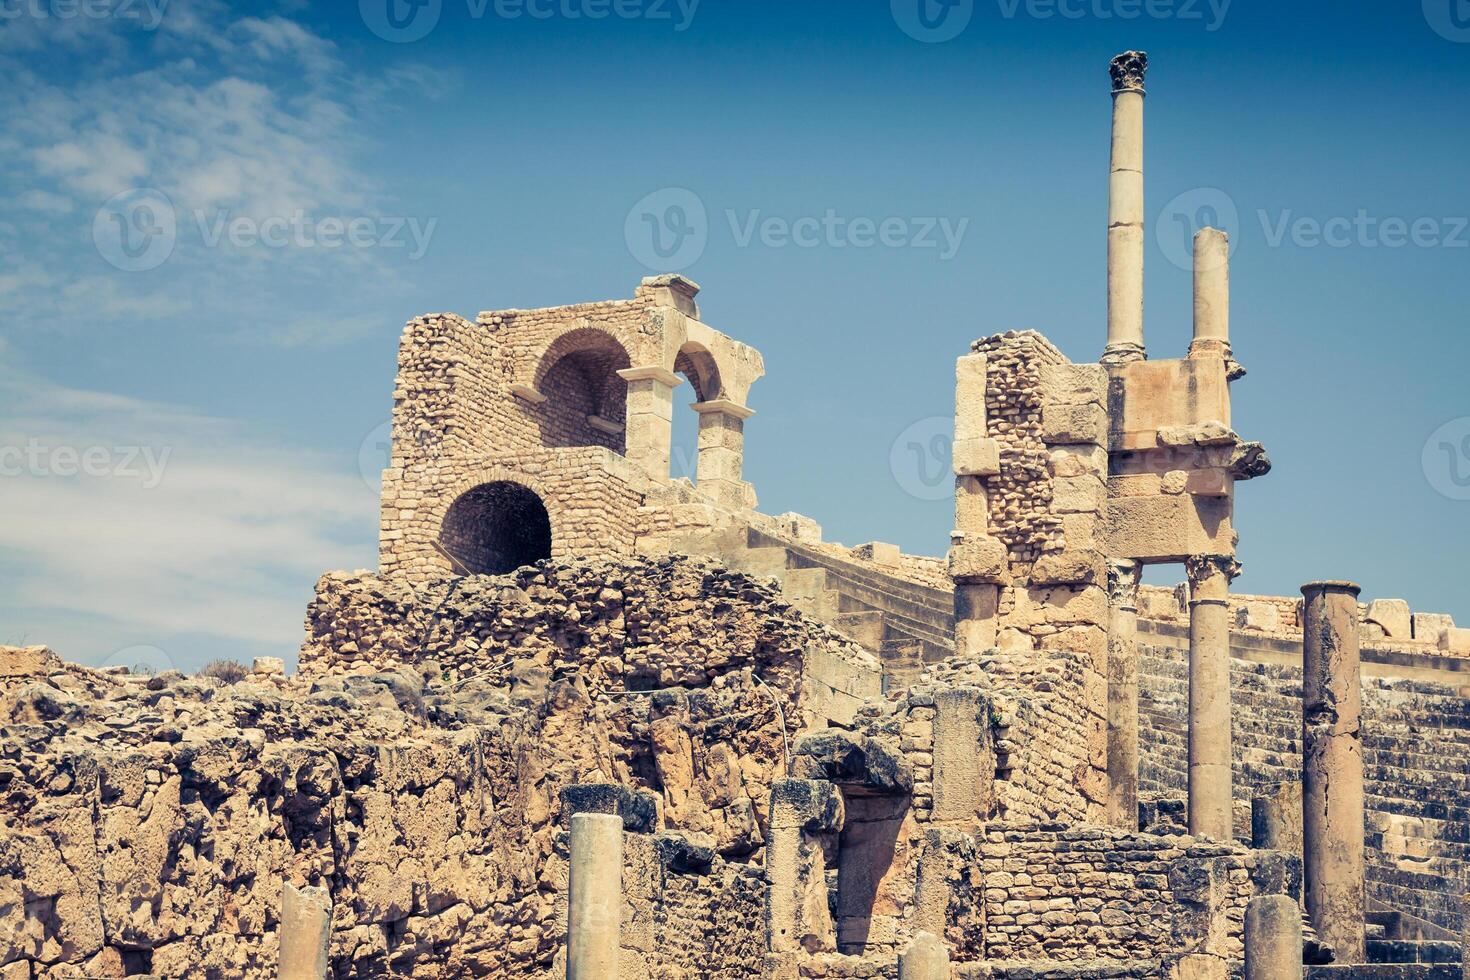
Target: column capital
x=653, y=373
x=1312, y=588
x=723, y=406
x=1123, y=579
x=1128, y=70
x=1200, y=568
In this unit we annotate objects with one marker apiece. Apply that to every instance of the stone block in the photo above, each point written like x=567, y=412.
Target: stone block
x=1083, y=459
x=1074, y=424
x=976, y=457
x=1455, y=640
x=1394, y=615
x=879, y=552
x=1073, y=567
x=1430, y=627
x=268, y=667
x=970, y=419
x=1258, y=616
x=980, y=559
x=1074, y=384
x=1078, y=495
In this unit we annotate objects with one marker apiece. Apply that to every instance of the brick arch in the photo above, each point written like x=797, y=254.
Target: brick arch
x=702, y=368
x=555, y=509
x=571, y=341
x=578, y=374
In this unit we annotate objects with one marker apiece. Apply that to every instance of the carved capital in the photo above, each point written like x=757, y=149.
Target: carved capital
x=1202, y=568
x=1123, y=578
x=1128, y=70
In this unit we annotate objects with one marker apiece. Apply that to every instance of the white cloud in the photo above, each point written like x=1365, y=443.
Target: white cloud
x=45, y=202
x=183, y=524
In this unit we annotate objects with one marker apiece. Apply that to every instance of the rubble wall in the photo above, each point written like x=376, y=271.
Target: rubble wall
x=1417, y=769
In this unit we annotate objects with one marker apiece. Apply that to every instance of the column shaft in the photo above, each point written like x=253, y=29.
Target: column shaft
x=595, y=897
x=305, y=933
x=1210, y=799
x=976, y=615
x=1332, y=768
x=1273, y=938
x=650, y=418
x=1211, y=294
x=1125, y=211
x=1123, y=580
x=722, y=452
x=926, y=958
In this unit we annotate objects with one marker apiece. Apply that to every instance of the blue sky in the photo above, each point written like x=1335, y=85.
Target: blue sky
x=192, y=415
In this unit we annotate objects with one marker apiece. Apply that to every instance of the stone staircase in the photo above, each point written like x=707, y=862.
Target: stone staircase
x=908, y=625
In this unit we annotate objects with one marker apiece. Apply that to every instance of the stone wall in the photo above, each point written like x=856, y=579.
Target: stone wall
x=1417, y=777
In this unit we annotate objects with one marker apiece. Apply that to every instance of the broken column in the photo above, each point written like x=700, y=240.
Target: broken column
x=1276, y=818
x=305, y=933
x=797, y=913
x=718, y=471
x=1211, y=294
x=1125, y=212
x=1273, y=938
x=1210, y=799
x=1123, y=580
x=650, y=418
x=1332, y=768
x=977, y=560
x=926, y=958
x=595, y=896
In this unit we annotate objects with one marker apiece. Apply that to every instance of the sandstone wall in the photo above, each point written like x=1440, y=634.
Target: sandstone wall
x=1417, y=769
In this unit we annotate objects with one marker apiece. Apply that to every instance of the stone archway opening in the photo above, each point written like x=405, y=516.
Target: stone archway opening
x=496, y=528
x=587, y=400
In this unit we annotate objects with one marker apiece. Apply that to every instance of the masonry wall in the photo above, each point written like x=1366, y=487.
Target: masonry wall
x=1416, y=746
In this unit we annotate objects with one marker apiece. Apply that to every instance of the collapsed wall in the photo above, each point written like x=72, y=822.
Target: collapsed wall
x=149, y=823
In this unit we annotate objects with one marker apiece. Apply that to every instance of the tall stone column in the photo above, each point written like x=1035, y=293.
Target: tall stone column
x=1125, y=212
x=1211, y=294
x=722, y=453
x=1273, y=938
x=305, y=933
x=1210, y=799
x=978, y=562
x=595, y=897
x=1123, y=577
x=1332, y=768
x=650, y=417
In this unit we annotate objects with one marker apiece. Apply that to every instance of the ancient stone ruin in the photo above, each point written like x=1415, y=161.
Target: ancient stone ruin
x=589, y=721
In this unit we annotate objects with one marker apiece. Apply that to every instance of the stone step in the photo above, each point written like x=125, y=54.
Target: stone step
x=1412, y=951
x=863, y=628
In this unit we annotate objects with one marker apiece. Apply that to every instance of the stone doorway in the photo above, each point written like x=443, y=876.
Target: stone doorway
x=496, y=528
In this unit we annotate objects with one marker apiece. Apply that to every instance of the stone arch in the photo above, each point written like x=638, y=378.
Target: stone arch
x=696, y=363
x=586, y=400
x=495, y=527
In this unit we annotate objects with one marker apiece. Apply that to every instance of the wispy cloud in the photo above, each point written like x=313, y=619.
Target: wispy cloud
x=152, y=521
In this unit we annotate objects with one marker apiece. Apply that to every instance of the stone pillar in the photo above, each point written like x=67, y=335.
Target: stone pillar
x=1125, y=212
x=305, y=933
x=1210, y=799
x=797, y=914
x=1332, y=768
x=650, y=417
x=722, y=453
x=1123, y=580
x=978, y=562
x=1273, y=938
x=595, y=896
x=926, y=958
x=1211, y=294
x=1276, y=818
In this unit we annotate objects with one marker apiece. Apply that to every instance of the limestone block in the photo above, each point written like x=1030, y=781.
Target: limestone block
x=971, y=505
x=1258, y=616
x=970, y=417
x=1169, y=528
x=878, y=551
x=1394, y=615
x=1209, y=483
x=305, y=932
x=1209, y=433
x=976, y=457
x=1074, y=384
x=1079, y=495
x=1455, y=640
x=1073, y=567
x=1074, y=424
x=269, y=667
x=980, y=559
x=926, y=958
x=1084, y=459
